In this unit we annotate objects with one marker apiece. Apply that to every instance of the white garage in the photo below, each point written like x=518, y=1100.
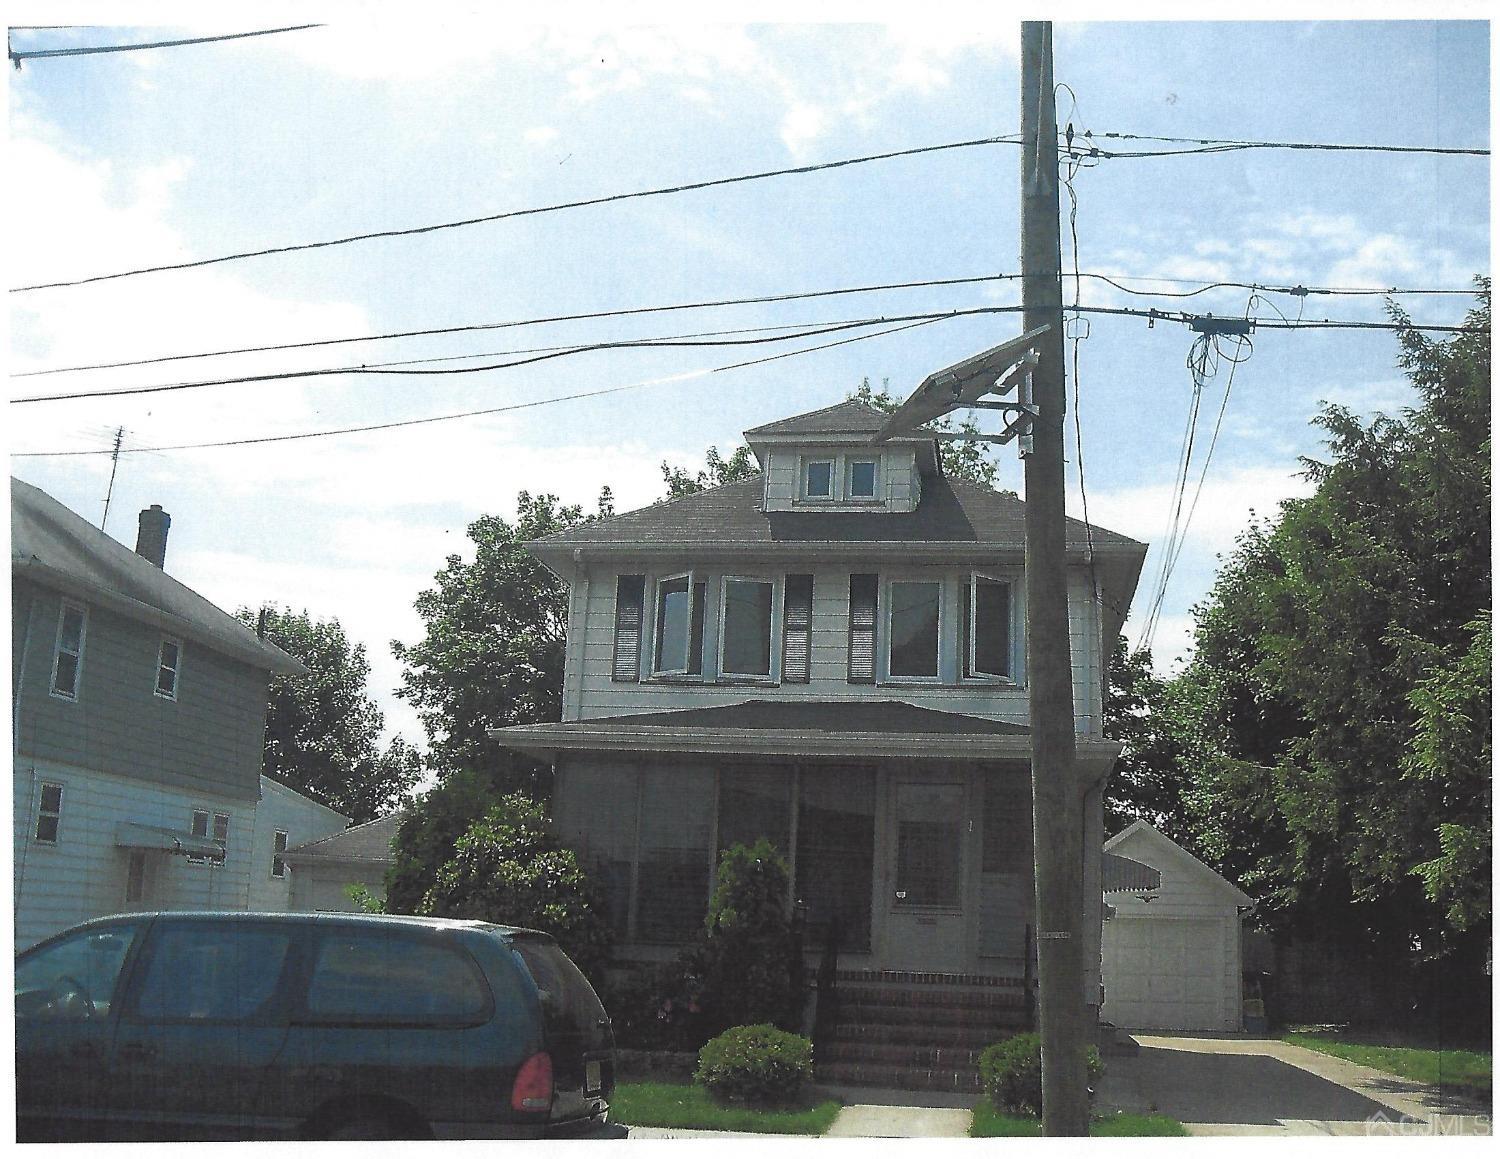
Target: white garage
x=1171, y=953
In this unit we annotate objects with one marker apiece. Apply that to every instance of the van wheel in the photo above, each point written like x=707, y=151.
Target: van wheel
x=365, y=1127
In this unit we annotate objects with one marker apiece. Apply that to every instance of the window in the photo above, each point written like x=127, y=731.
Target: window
x=220, y=833
x=929, y=840
x=168, y=659
x=817, y=479
x=836, y=853
x=915, y=611
x=630, y=594
x=68, y=661
x=986, y=642
x=863, y=597
x=863, y=474
x=676, y=855
x=679, y=626
x=62, y=980
x=278, y=854
x=211, y=971
x=745, y=636
x=49, y=813
x=380, y=978
x=796, y=630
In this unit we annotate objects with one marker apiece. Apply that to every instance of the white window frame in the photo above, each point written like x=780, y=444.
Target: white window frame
x=848, y=473
x=58, y=651
x=278, y=853
x=807, y=462
x=969, y=673
x=656, y=625
x=773, y=676
x=213, y=823
x=162, y=666
x=885, y=646
x=43, y=813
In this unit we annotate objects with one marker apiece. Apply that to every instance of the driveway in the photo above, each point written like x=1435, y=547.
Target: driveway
x=1258, y=1086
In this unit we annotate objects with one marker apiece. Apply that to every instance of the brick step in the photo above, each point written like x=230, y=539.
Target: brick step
x=967, y=998
x=915, y=1036
x=857, y=1013
x=864, y=1074
x=903, y=1054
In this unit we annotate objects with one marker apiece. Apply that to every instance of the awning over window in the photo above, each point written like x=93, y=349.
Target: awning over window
x=135, y=835
x=1122, y=875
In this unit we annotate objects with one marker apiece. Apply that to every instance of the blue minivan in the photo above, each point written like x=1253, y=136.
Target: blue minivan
x=233, y=1026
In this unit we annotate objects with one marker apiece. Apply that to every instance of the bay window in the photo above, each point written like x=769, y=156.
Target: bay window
x=915, y=607
x=679, y=626
x=745, y=633
x=986, y=629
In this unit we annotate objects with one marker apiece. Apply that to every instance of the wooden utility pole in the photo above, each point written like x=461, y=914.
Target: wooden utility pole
x=1057, y=805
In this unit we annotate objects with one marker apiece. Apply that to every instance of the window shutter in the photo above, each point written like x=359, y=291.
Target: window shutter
x=796, y=630
x=863, y=598
x=630, y=595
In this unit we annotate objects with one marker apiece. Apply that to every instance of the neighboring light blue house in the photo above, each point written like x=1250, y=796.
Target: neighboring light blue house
x=138, y=722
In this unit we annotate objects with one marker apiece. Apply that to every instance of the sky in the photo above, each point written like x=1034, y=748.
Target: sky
x=396, y=116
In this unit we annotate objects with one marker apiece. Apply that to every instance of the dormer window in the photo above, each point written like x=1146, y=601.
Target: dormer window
x=679, y=626
x=863, y=478
x=817, y=479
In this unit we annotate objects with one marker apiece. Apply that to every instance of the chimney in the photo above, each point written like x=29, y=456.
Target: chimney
x=151, y=540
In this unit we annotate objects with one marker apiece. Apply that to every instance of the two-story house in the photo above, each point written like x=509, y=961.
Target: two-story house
x=138, y=721
x=832, y=655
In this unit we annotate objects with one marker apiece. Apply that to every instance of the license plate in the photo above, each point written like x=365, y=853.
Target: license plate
x=592, y=1079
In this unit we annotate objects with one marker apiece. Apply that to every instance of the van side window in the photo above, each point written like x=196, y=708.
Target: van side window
x=377, y=978
x=73, y=979
x=211, y=972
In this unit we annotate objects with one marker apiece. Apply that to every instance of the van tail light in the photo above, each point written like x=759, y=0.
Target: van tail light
x=533, y=1087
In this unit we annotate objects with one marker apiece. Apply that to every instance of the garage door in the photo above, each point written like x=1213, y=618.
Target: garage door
x=1164, y=973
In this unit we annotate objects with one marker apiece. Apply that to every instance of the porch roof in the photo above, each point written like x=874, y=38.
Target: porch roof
x=869, y=728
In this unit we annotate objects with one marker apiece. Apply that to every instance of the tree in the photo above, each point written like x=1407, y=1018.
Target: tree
x=493, y=651
x=967, y=460
x=1339, y=649
x=719, y=470
x=323, y=729
x=1146, y=781
x=509, y=868
x=428, y=834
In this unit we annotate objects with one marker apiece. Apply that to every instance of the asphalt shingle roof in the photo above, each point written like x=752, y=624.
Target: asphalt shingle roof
x=890, y=716
x=844, y=418
x=370, y=841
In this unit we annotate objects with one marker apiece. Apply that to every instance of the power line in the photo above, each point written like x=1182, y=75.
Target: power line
x=1297, y=290
x=557, y=207
x=1153, y=316
x=18, y=55
x=1223, y=145
x=473, y=413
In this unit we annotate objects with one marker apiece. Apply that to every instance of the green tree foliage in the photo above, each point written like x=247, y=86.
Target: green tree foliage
x=493, y=650
x=968, y=460
x=323, y=729
x=746, y=961
x=1146, y=782
x=718, y=471
x=428, y=834
x=509, y=868
x=1329, y=666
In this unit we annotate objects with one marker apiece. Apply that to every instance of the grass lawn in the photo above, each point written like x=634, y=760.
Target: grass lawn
x=1454, y=1070
x=992, y=1124
x=686, y=1105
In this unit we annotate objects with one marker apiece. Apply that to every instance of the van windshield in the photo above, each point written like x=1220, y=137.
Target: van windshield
x=569, y=1004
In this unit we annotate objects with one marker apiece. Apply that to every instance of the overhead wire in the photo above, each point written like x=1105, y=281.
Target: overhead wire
x=18, y=55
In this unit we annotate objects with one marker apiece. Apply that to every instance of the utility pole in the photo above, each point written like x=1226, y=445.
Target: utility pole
x=1057, y=803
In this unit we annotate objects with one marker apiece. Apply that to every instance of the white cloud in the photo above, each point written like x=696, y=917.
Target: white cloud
x=540, y=135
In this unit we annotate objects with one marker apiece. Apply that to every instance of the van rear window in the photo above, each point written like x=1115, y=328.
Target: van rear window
x=568, y=1001
x=379, y=978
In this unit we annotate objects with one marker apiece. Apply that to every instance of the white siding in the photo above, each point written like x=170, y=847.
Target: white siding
x=302, y=820
x=326, y=887
x=899, y=485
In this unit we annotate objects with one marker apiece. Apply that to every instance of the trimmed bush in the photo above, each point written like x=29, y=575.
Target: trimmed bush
x=1011, y=1072
x=759, y=1065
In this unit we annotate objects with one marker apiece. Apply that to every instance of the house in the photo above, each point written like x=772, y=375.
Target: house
x=830, y=654
x=1171, y=951
x=138, y=719
x=285, y=820
x=323, y=870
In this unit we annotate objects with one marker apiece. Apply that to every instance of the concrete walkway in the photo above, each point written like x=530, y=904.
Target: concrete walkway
x=868, y=1113
x=1259, y=1086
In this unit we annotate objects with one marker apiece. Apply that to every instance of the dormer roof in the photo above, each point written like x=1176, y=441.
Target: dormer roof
x=849, y=423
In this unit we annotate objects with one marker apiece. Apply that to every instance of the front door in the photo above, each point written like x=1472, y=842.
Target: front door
x=925, y=922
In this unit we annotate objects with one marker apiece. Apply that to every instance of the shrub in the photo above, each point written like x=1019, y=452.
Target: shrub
x=653, y=1007
x=1011, y=1072
x=755, y=1064
x=745, y=967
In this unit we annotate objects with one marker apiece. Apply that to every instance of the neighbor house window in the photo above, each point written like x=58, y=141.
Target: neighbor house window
x=745, y=638
x=679, y=626
x=913, y=635
x=278, y=854
x=986, y=642
x=862, y=478
x=817, y=479
x=168, y=660
x=207, y=824
x=68, y=660
x=49, y=813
